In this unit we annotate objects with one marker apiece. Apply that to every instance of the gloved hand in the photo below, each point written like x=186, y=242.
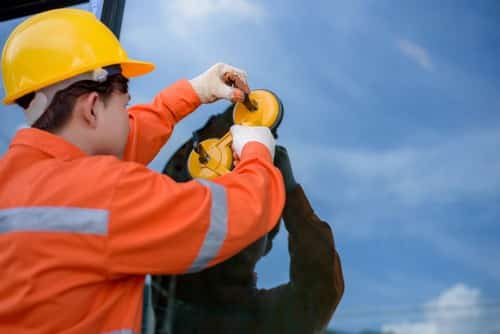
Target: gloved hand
x=245, y=134
x=282, y=161
x=216, y=84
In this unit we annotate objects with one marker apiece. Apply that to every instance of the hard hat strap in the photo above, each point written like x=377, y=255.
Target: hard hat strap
x=44, y=96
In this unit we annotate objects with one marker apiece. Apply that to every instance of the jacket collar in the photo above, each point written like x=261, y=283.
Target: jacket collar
x=48, y=143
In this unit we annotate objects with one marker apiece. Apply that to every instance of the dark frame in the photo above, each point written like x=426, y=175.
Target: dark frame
x=112, y=15
x=12, y=9
x=112, y=10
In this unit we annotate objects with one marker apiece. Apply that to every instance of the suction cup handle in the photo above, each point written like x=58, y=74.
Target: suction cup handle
x=226, y=140
x=249, y=103
x=210, y=155
x=233, y=80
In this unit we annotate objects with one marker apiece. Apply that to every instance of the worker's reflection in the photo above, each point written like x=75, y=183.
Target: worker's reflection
x=225, y=298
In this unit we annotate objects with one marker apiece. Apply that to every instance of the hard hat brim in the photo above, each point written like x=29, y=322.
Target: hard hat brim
x=130, y=68
x=134, y=68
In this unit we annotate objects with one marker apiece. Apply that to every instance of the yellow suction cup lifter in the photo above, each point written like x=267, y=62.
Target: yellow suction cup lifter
x=267, y=110
x=214, y=157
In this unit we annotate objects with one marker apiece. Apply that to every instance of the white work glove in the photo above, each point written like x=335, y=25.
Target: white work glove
x=216, y=84
x=242, y=135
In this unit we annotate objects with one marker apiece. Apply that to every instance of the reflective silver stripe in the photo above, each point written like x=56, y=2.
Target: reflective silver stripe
x=218, y=227
x=54, y=219
x=121, y=331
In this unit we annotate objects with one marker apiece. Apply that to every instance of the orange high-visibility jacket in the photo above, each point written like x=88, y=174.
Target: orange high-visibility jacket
x=78, y=233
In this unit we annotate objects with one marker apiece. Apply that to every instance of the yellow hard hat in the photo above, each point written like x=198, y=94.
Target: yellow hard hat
x=59, y=44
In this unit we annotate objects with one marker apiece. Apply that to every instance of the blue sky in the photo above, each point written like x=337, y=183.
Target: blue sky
x=393, y=127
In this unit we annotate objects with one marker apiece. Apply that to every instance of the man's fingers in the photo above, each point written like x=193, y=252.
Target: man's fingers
x=230, y=93
x=242, y=135
x=221, y=81
x=238, y=95
x=237, y=80
x=240, y=85
x=236, y=159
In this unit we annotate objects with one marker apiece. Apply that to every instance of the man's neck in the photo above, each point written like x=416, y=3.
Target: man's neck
x=75, y=137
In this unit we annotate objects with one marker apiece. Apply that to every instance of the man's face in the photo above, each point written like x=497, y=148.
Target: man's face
x=112, y=126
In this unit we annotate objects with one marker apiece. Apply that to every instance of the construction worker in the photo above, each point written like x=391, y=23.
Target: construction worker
x=82, y=220
x=224, y=299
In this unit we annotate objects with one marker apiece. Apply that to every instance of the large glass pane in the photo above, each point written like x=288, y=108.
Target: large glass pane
x=393, y=129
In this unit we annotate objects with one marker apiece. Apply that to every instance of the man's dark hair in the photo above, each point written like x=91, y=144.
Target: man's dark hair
x=59, y=111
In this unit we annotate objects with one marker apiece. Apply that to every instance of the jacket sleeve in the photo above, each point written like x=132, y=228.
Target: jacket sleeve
x=159, y=226
x=152, y=124
x=316, y=279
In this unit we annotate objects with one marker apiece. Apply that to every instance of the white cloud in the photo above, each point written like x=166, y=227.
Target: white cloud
x=457, y=310
x=411, y=328
x=186, y=16
x=416, y=53
x=399, y=188
x=439, y=173
x=181, y=36
x=407, y=192
x=204, y=8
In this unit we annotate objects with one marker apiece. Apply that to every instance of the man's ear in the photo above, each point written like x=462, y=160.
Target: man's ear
x=88, y=105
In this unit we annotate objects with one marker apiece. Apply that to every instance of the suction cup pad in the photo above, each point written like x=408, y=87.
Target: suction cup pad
x=268, y=110
x=215, y=157
x=219, y=163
